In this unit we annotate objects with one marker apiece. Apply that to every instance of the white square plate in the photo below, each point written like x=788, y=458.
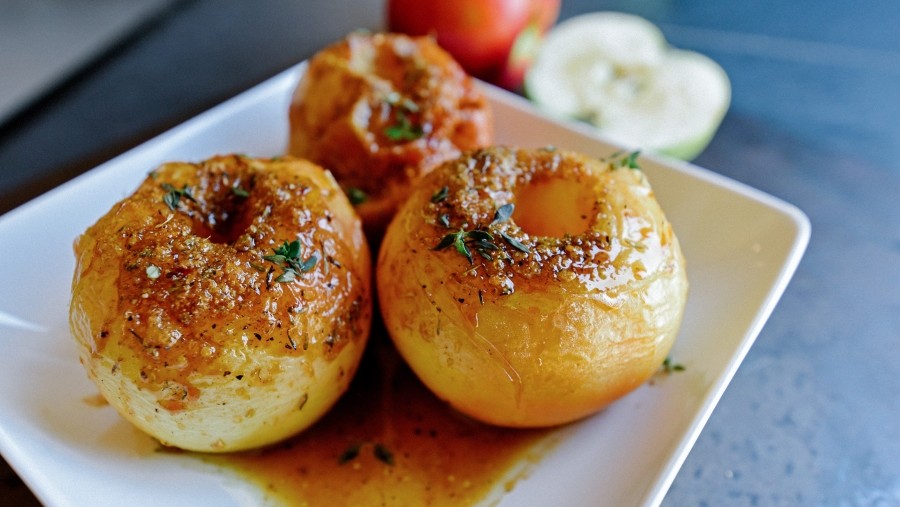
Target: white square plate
x=742, y=247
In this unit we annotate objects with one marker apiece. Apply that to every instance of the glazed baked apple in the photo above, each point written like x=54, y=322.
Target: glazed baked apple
x=226, y=304
x=532, y=287
x=379, y=110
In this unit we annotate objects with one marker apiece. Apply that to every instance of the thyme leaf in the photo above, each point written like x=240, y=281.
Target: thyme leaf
x=288, y=275
x=288, y=258
x=403, y=129
x=384, y=454
x=629, y=160
x=357, y=196
x=668, y=366
x=463, y=249
x=458, y=240
x=440, y=195
x=481, y=239
x=515, y=243
x=503, y=213
x=173, y=195
x=349, y=454
x=446, y=241
x=307, y=265
x=480, y=235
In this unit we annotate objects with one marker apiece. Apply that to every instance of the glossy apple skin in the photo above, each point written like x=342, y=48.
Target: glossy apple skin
x=487, y=37
x=342, y=108
x=179, y=318
x=584, y=310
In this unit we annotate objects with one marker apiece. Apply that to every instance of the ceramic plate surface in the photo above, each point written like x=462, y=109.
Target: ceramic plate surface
x=742, y=247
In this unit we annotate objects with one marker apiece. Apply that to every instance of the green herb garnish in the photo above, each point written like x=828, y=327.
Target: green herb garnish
x=349, y=454
x=503, y=213
x=240, y=192
x=668, y=366
x=380, y=451
x=384, y=454
x=403, y=129
x=287, y=257
x=481, y=240
x=458, y=240
x=440, y=195
x=518, y=245
x=173, y=195
x=356, y=196
x=620, y=159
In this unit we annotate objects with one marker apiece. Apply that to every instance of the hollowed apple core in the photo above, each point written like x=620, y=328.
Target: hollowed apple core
x=554, y=207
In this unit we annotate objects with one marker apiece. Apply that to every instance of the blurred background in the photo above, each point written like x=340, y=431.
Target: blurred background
x=812, y=416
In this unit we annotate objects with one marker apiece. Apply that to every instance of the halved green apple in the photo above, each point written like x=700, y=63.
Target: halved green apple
x=616, y=71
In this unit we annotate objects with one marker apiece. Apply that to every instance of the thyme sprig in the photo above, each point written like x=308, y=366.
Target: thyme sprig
x=440, y=195
x=622, y=159
x=669, y=366
x=173, y=195
x=481, y=240
x=288, y=258
x=403, y=128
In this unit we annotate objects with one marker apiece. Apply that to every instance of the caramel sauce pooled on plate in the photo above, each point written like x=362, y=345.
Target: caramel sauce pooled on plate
x=389, y=441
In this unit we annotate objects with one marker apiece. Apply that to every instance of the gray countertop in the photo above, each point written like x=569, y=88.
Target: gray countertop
x=812, y=416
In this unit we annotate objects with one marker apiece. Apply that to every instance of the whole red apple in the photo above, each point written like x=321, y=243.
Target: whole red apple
x=493, y=40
